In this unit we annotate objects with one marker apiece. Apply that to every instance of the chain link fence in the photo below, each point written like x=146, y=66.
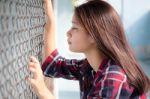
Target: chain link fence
x=21, y=35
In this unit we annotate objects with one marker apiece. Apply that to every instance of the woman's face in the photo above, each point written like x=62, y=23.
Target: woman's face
x=78, y=39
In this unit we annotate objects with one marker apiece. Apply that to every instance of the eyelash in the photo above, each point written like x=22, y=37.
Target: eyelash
x=74, y=28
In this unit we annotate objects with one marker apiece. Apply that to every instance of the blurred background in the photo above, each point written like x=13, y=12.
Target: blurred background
x=135, y=15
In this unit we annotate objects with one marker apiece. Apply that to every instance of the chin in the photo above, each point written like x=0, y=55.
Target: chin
x=75, y=50
x=72, y=50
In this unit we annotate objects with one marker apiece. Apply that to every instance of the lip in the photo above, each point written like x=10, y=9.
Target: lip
x=68, y=42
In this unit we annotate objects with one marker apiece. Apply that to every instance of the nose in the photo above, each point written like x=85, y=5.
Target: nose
x=69, y=33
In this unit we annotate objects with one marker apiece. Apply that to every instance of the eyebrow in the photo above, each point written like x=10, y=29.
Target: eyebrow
x=75, y=22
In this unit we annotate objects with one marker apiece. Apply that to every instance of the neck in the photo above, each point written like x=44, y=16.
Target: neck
x=94, y=58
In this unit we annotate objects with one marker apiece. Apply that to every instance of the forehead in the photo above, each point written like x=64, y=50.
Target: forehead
x=74, y=19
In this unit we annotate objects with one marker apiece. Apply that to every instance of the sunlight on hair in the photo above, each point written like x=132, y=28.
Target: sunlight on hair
x=78, y=2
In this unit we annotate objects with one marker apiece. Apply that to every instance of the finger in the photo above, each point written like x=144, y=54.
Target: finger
x=31, y=64
x=32, y=70
x=33, y=59
x=34, y=73
x=30, y=80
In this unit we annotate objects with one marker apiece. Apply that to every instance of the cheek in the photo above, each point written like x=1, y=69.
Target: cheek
x=80, y=40
x=80, y=45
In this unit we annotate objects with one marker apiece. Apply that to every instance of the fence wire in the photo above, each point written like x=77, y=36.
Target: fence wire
x=21, y=35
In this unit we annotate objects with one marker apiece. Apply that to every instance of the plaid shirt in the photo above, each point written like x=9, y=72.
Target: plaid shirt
x=109, y=82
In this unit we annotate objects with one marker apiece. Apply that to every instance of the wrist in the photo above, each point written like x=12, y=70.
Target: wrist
x=46, y=94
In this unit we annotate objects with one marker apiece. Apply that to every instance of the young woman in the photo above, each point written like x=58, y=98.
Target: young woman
x=110, y=70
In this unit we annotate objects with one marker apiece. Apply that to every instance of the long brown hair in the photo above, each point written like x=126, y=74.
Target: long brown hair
x=103, y=23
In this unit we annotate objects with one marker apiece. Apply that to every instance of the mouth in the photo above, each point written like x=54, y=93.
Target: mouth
x=68, y=42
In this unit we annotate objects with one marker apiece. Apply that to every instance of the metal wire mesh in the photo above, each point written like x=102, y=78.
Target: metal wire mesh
x=21, y=28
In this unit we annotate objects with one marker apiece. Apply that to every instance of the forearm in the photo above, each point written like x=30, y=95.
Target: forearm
x=49, y=33
x=49, y=44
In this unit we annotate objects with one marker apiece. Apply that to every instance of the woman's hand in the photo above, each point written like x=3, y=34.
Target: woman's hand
x=37, y=81
x=49, y=11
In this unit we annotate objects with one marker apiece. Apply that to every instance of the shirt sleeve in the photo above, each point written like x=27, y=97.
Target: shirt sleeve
x=57, y=66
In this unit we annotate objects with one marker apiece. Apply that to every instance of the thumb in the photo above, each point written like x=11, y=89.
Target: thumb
x=31, y=81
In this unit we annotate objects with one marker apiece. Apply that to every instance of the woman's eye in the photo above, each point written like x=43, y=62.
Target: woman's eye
x=74, y=28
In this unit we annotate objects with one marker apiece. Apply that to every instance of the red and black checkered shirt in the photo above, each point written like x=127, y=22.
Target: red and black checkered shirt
x=109, y=82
